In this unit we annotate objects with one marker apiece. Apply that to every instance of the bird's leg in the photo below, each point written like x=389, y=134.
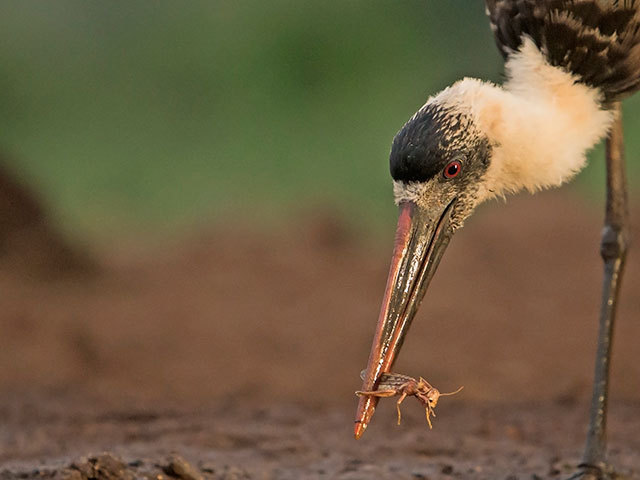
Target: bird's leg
x=613, y=250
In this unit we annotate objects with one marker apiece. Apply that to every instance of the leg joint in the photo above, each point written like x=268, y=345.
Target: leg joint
x=613, y=243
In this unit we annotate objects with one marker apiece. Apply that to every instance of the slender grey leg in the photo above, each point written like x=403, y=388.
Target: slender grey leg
x=613, y=249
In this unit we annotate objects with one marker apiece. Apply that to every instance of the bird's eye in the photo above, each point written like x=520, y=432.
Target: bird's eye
x=452, y=169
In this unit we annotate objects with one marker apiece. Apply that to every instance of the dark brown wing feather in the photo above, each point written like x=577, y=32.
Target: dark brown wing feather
x=597, y=40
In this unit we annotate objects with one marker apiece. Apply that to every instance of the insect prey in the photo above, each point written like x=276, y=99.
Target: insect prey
x=392, y=384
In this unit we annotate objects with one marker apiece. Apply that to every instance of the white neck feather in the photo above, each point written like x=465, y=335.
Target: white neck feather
x=541, y=122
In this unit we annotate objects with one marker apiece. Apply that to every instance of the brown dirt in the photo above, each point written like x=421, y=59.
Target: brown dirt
x=235, y=354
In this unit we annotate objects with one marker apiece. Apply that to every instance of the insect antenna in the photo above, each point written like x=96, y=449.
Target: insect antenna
x=452, y=393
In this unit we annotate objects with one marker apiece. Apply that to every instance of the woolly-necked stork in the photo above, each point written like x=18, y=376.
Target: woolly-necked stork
x=568, y=65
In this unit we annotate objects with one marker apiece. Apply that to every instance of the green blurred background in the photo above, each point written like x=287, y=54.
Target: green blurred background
x=155, y=115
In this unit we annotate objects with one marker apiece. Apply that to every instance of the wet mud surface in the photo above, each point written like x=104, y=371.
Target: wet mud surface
x=234, y=354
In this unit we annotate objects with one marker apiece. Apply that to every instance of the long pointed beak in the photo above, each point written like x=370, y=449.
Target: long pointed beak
x=421, y=239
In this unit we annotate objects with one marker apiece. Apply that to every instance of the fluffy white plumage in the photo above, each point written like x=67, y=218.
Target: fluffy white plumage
x=540, y=123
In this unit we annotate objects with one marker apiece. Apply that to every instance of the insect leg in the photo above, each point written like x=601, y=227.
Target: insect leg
x=400, y=400
x=378, y=393
x=429, y=411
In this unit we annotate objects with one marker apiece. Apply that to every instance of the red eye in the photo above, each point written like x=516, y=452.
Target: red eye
x=452, y=169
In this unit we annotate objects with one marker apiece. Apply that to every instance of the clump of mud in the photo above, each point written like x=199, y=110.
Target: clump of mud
x=108, y=466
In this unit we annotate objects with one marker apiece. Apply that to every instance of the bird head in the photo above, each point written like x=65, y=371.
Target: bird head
x=439, y=163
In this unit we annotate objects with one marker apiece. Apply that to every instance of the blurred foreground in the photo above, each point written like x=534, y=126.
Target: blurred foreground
x=199, y=346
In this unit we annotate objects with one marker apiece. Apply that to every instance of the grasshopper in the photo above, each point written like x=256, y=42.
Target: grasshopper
x=392, y=384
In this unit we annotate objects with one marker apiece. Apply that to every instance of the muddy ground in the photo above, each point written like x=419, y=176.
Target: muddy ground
x=234, y=354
